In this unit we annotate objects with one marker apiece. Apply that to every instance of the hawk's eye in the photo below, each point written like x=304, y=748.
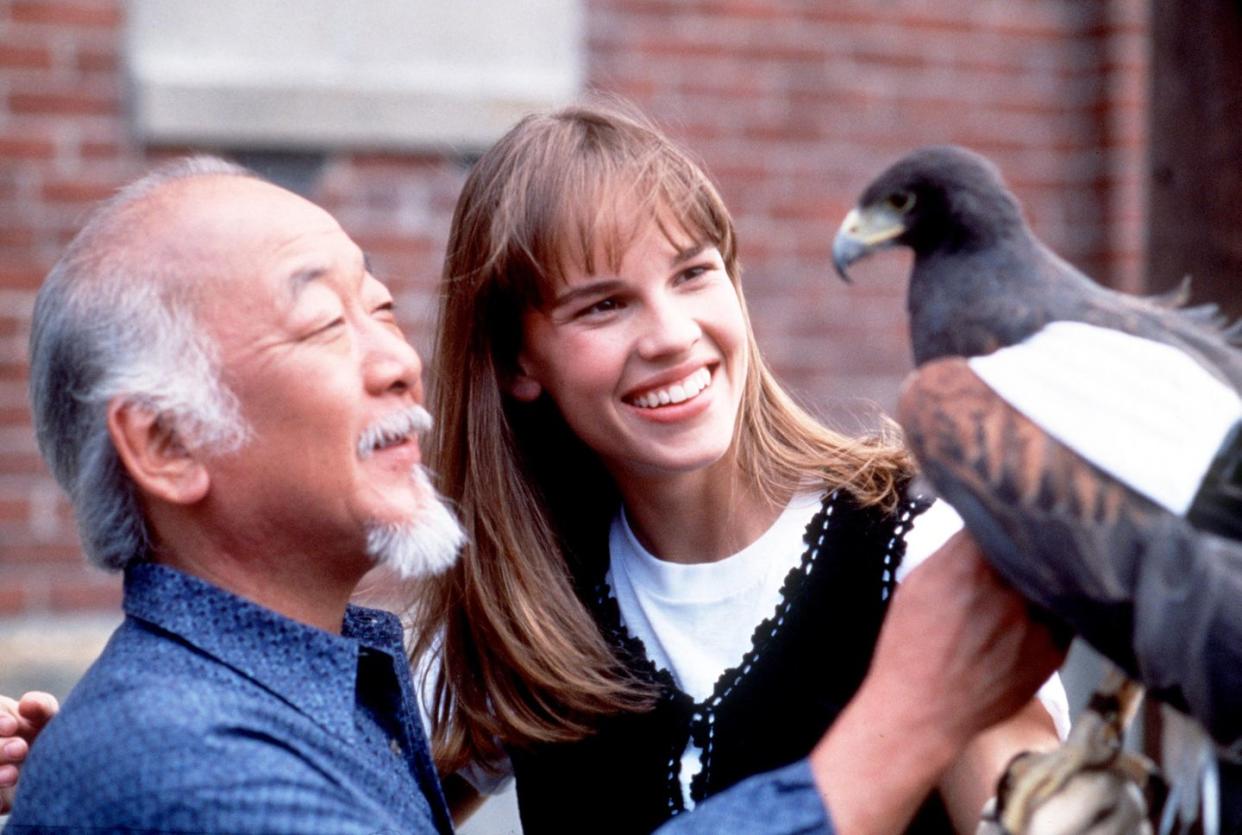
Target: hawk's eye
x=900, y=201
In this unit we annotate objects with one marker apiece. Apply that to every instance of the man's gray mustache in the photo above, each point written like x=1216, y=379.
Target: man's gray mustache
x=392, y=428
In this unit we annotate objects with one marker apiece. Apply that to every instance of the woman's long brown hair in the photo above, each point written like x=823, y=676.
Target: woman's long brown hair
x=514, y=655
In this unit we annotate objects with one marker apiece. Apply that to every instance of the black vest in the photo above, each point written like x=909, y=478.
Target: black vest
x=806, y=662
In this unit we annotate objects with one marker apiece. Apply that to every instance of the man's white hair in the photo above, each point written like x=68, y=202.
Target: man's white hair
x=428, y=542
x=424, y=546
x=109, y=322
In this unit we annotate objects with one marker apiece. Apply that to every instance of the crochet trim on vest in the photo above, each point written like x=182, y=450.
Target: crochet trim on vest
x=703, y=714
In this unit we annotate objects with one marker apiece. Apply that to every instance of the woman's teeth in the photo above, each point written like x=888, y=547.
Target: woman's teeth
x=675, y=393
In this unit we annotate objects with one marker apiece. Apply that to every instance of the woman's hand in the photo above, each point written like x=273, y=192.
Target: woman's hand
x=20, y=722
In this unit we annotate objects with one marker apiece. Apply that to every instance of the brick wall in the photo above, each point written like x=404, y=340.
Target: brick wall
x=792, y=104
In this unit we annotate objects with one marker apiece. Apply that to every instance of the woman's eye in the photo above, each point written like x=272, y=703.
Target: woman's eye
x=602, y=306
x=387, y=310
x=691, y=273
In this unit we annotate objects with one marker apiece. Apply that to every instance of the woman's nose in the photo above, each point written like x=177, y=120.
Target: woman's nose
x=668, y=330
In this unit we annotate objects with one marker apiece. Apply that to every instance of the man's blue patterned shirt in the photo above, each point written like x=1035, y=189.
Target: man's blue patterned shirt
x=209, y=713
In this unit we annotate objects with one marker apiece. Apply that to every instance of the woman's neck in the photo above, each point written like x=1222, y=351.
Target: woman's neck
x=698, y=517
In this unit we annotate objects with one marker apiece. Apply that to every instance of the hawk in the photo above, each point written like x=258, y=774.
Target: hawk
x=1090, y=439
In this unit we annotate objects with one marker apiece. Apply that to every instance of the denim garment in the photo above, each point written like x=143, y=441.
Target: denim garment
x=209, y=713
x=780, y=802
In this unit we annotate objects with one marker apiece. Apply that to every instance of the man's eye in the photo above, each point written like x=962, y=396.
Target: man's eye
x=328, y=328
x=387, y=310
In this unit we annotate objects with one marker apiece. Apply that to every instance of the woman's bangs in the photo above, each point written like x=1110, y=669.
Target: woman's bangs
x=580, y=212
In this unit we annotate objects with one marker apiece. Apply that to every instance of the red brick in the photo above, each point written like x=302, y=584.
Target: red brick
x=87, y=594
x=16, y=56
x=102, y=13
x=95, y=151
x=15, y=414
x=61, y=102
x=370, y=162
x=77, y=191
x=41, y=554
x=26, y=147
x=23, y=463
x=15, y=236
x=89, y=59
x=13, y=599
x=386, y=245
x=22, y=275
x=14, y=511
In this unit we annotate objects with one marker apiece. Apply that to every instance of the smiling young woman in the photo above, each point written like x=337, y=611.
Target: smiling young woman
x=646, y=362
x=676, y=576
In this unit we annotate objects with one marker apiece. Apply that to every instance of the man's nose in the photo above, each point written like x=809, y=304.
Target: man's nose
x=668, y=329
x=392, y=364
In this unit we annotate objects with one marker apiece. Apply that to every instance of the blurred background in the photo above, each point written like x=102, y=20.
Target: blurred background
x=1116, y=122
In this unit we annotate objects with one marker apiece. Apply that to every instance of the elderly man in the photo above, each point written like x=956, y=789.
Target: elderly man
x=222, y=388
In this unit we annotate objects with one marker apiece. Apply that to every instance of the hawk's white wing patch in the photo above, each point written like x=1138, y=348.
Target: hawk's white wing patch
x=1140, y=410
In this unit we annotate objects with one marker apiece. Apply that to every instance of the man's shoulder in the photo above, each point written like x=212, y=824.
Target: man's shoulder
x=156, y=675
x=175, y=740
x=147, y=708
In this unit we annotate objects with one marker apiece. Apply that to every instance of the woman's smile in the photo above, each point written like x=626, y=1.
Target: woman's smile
x=679, y=392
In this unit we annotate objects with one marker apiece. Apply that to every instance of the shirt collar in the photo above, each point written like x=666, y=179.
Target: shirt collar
x=312, y=670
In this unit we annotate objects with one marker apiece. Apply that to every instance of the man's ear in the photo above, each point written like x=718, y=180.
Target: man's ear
x=155, y=456
x=522, y=386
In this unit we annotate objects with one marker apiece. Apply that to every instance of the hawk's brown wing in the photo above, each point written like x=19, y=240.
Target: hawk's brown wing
x=1160, y=598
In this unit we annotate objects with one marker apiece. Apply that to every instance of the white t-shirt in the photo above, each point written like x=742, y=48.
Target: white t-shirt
x=696, y=621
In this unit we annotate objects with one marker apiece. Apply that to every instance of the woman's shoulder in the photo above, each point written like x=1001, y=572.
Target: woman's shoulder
x=928, y=529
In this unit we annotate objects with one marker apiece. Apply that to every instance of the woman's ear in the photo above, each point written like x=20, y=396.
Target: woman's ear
x=154, y=455
x=524, y=388
x=522, y=385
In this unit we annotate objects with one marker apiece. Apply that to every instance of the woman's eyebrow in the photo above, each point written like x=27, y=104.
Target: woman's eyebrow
x=686, y=253
x=594, y=288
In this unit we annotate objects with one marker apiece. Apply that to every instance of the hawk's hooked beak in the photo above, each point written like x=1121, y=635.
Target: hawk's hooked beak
x=864, y=231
